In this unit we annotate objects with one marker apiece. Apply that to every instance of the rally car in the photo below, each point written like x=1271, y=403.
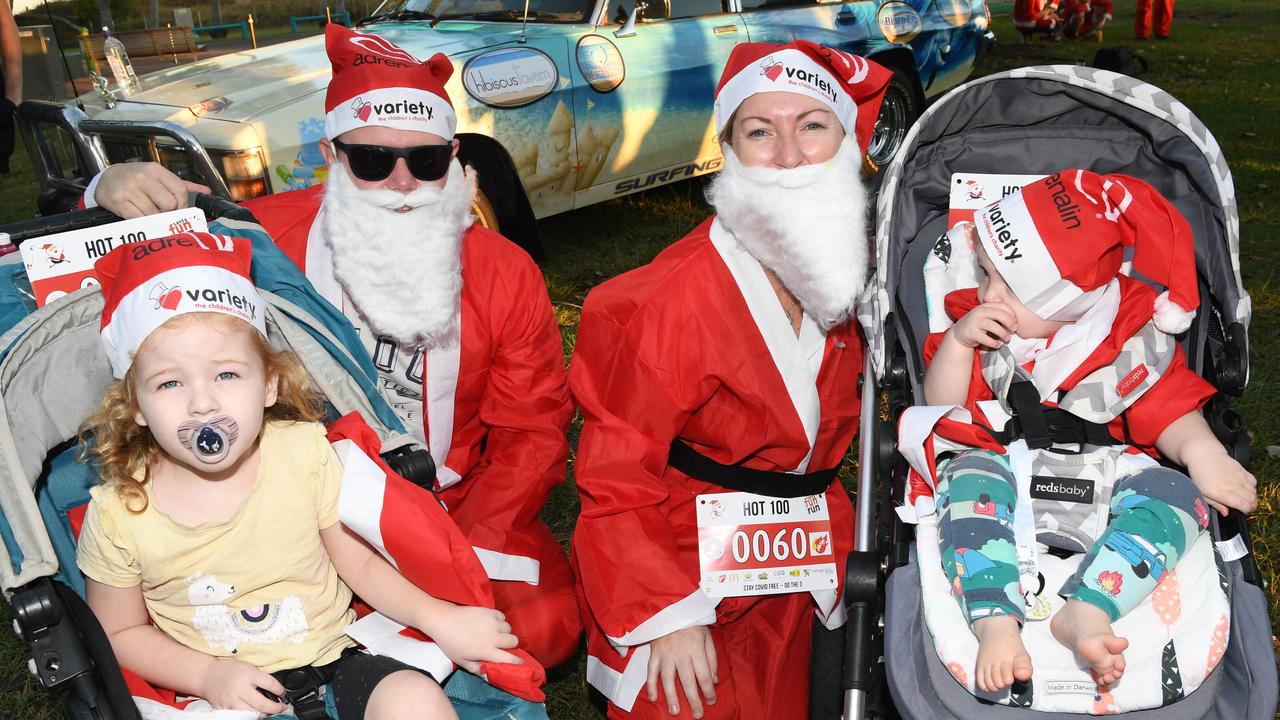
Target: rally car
x=560, y=103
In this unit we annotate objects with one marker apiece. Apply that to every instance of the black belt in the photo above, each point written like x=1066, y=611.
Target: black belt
x=745, y=479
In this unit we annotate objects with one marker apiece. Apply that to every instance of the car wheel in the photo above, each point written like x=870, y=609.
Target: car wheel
x=898, y=111
x=486, y=216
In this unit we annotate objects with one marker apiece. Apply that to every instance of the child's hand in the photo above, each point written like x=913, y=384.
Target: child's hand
x=470, y=635
x=989, y=325
x=233, y=684
x=1224, y=482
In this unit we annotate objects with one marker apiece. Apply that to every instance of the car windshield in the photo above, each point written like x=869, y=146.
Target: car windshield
x=565, y=11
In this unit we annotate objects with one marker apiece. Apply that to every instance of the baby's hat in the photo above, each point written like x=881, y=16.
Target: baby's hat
x=146, y=283
x=1061, y=240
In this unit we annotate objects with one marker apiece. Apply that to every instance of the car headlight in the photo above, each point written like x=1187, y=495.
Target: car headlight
x=245, y=172
x=243, y=164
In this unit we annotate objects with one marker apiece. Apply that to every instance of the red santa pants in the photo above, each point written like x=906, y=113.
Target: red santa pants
x=1163, y=16
x=544, y=616
x=763, y=664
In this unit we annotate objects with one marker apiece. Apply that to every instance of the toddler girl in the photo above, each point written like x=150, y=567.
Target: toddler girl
x=212, y=551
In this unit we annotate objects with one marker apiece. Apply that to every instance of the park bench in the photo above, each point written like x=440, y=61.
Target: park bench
x=342, y=18
x=220, y=31
x=146, y=43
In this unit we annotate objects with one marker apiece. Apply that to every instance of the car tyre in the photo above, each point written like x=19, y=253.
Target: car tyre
x=486, y=216
x=898, y=112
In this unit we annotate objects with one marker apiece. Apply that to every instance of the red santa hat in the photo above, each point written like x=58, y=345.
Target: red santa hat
x=146, y=283
x=375, y=82
x=1060, y=241
x=850, y=85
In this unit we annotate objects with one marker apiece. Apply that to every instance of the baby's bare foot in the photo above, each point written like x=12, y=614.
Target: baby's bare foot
x=1086, y=630
x=1001, y=656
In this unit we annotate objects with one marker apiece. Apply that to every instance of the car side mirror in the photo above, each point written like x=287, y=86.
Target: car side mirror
x=629, y=27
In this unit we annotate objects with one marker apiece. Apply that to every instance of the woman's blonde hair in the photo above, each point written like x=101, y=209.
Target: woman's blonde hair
x=123, y=451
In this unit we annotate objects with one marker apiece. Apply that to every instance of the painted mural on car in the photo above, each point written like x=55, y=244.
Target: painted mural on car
x=583, y=110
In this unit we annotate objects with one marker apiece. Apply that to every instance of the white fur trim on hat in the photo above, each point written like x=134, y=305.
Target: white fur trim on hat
x=1170, y=317
x=786, y=71
x=398, y=108
x=176, y=292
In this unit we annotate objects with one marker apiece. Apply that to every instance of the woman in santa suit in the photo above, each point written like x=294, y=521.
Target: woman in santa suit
x=728, y=364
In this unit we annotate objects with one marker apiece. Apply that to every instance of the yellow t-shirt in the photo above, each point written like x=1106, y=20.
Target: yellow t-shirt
x=259, y=587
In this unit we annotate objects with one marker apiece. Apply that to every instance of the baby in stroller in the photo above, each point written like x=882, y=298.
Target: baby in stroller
x=218, y=483
x=1054, y=319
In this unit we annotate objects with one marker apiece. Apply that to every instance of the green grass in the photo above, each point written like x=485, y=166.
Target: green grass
x=1221, y=63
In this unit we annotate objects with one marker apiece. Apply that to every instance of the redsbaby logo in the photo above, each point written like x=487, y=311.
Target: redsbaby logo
x=361, y=109
x=1132, y=381
x=770, y=68
x=165, y=297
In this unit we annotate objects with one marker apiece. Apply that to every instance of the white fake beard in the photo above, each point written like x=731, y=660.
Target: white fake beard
x=807, y=224
x=402, y=270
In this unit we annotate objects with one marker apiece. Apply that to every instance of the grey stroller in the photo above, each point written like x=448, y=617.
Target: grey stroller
x=1035, y=121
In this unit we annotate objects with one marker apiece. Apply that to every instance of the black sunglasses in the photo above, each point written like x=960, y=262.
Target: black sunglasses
x=375, y=162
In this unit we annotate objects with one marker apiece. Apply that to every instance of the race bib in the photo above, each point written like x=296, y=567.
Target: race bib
x=759, y=545
x=58, y=265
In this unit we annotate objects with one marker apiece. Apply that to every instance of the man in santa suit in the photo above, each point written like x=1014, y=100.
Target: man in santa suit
x=729, y=361
x=456, y=317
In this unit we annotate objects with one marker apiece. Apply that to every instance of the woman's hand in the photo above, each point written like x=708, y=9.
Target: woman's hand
x=234, y=685
x=989, y=325
x=470, y=635
x=691, y=654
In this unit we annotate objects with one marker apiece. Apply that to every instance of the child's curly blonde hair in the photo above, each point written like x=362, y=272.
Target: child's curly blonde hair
x=123, y=451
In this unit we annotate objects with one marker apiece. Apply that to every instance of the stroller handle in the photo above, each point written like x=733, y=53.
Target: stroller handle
x=213, y=208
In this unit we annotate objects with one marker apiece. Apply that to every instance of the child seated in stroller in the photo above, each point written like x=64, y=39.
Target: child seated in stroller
x=219, y=490
x=1052, y=308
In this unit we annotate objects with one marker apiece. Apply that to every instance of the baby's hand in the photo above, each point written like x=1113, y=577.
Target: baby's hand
x=989, y=325
x=1224, y=482
x=234, y=684
x=470, y=635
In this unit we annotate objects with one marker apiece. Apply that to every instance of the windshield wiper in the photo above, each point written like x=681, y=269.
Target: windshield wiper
x=397, y=16
x=511, y=15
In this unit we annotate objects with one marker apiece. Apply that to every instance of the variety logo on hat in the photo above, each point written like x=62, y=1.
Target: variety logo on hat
x=770, y=68
x=362, y=109
x=166, y=297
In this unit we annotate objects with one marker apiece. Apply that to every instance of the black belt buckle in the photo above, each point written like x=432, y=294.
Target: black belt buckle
x=302, y=688
x=1064, y=427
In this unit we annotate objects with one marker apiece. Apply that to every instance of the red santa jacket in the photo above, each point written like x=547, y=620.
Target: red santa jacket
x=1178, y=391
x=692, y=346
x=505, y=412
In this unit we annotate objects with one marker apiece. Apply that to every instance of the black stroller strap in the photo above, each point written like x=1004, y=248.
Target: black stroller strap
x=1042, y=426
x=744, y=479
